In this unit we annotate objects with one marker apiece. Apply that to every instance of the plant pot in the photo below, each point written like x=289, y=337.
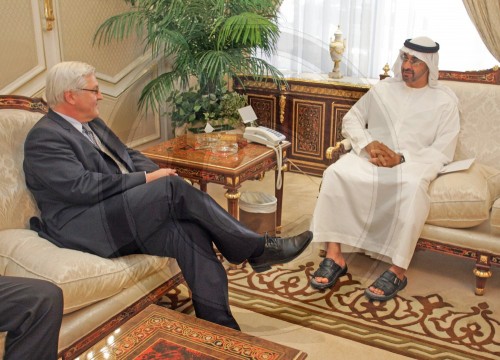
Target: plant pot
x=199, y=127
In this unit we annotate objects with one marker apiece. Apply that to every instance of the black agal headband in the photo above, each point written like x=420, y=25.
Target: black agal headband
x=421, y=48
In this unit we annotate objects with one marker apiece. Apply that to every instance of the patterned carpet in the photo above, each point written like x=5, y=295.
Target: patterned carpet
x=437, y=316
x=425, y=326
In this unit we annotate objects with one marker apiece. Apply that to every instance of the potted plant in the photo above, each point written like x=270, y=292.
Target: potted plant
x=210, y=40
x=192, y=109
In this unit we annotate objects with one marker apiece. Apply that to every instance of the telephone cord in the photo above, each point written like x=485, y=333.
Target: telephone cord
x=279, y=163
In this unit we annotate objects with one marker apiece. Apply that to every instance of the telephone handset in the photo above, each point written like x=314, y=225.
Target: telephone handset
x=263, y=135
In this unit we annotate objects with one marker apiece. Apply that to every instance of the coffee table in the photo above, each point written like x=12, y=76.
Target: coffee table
x=204, y=166
x=161, y=333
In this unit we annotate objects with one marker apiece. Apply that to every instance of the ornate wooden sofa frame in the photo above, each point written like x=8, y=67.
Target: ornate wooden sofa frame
x=472, y=238
x=99, y=294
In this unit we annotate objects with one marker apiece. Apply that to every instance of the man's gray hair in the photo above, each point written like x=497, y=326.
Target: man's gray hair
x=68, y=75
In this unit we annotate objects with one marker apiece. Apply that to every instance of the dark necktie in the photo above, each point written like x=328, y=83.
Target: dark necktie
x=94, y=139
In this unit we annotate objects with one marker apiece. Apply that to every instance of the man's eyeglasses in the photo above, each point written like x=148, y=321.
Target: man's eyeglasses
x=95, y=91
x=413, y=60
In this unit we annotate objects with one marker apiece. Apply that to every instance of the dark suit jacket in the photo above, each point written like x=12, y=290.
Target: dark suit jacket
x=68, y=177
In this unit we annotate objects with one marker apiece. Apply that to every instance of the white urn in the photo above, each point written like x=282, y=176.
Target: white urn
x=337, y=47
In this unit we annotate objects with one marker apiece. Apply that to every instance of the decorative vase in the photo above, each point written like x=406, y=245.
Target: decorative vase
x=337, y=47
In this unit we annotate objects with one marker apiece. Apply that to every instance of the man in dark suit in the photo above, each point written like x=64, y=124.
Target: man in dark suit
x=31, y=312
x=97, y=195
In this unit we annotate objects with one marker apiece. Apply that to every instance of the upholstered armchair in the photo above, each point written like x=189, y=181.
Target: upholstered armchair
x=464, y=219
x=99, y=294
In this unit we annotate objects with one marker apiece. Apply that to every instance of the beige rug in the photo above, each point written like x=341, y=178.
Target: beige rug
x=436, y=317
x=428, y=320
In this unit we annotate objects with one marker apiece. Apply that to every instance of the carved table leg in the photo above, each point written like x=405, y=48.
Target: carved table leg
x=279, y=196
x=233, y=197
x=482, y=272
x=203, y=186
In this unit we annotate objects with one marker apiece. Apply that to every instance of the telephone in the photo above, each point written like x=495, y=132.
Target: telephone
x=271, y=138
x=263, y=135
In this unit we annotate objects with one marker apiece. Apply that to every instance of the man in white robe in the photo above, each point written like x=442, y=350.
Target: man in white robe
x=374, y=199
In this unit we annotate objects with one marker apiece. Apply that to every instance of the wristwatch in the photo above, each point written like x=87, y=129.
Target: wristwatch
x=402, y=157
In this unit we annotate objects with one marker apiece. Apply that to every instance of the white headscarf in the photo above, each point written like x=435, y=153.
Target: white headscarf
x=426, y=50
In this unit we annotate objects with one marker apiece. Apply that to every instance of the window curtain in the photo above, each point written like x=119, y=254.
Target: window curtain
x=308, y=26
x=374, y=31
x=486, y=17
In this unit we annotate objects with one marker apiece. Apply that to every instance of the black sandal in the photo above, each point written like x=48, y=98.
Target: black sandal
x=330, y=270
x=389, y=283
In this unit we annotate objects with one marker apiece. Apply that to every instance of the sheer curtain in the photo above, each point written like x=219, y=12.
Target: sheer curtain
x=486, y=18
x=374, y=31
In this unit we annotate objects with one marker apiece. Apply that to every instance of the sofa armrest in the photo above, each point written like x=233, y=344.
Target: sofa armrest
x=333, y=153
x=495, y=216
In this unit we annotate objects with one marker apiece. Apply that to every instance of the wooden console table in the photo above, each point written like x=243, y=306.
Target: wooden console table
x=309, y=112
x=204, y=166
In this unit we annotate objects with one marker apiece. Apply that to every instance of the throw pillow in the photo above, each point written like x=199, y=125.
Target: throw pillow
x=461, y=199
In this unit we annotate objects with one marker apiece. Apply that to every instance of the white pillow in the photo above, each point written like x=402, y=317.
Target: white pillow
x=84, y=278
x=461, y=199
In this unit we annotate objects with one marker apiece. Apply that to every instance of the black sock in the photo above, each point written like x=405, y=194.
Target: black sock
x=215, y=315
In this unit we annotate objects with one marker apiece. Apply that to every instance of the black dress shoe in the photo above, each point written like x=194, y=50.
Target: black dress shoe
x=280, y=250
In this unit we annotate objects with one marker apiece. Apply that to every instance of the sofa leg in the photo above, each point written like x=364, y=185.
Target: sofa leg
x=482, y=272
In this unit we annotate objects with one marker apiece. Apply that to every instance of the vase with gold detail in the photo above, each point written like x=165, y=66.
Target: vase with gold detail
x=337, y=47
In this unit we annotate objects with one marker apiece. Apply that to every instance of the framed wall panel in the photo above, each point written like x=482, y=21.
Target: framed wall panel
x=22, y=57
x=37, y=34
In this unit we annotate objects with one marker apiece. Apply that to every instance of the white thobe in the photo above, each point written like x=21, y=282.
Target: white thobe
x=380, y=210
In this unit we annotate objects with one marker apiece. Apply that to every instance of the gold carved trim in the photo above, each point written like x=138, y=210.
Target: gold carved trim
x=488, y=76
x=232, y=181
x=327, y=92
x=49, y=14
x=234, y=196
x=481, y=273
x=271, y=85
x=351, y=94
x=259, y=84
x=479, y=291
x=483, y=259
x=330, y=83
x=282, y=108
x=332, y=149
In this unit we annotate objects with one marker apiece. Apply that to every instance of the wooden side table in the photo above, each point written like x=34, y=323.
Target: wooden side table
x=203, y=166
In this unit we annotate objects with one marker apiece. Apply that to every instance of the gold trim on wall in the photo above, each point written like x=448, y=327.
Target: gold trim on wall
x=48, y=10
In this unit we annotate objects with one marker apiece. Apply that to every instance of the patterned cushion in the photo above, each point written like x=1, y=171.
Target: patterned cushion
x=479, y=125
x=462, y=199
x=16, y=202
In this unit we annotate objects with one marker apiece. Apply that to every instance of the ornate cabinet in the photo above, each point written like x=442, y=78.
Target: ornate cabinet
x=308, y=112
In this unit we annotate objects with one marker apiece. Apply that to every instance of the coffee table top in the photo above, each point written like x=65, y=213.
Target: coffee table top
x=161, y=333
x=177, y=152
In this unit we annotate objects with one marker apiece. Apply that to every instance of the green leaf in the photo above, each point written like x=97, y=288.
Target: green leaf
x=209, y=41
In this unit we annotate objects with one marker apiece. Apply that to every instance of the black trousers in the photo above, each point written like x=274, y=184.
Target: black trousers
x=169, y=217
x=31, y=312
x=174, y=219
